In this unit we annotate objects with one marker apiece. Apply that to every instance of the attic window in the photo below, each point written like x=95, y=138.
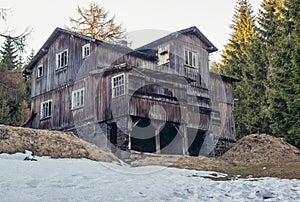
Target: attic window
x=190, y=58
x=86, y=50
x=40, y=71
x=62, y=59
x=163, y=56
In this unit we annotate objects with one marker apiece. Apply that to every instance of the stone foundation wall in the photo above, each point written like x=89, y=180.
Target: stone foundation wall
x=95, y=133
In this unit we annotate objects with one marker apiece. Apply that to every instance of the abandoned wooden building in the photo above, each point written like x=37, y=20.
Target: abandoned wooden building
x=158, y=98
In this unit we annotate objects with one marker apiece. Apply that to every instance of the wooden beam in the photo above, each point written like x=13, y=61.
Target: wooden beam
x=130, y=128
x=157, y=125
x=182, y=130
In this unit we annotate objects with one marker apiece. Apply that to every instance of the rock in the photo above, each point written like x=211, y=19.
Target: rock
x=29, y=158
x=264, y=194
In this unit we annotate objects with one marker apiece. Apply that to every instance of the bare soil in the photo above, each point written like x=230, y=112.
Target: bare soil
x=261, y=149
x=252, y=156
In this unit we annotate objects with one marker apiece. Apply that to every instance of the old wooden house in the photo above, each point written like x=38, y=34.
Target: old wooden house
x=157, y=98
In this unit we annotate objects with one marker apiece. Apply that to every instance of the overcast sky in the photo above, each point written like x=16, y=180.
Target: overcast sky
x=144, y=20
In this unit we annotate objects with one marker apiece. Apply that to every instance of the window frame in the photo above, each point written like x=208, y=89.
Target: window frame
x=84, y=47
x=59, y=59
x=40, y=71
x=48, y=110
x=77, y=98
x=190, y=58
x=119, y=88
x=163, y=56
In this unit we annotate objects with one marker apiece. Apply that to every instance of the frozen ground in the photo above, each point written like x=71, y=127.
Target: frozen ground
x=84, y=180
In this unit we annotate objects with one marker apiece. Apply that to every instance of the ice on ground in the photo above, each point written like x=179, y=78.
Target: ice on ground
x=84, y=180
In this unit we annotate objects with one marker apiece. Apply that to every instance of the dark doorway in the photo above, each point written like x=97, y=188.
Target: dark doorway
x=170, y=140
x=142, y=136
x=113, y=135
x=195, y=141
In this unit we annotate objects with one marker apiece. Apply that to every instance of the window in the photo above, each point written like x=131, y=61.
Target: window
x=78, y=98
x=86, y=50
x=190, y=58
x=163, y=56
x=118, y=85
x=62, y=59
x=40, y=72
x=46, y=109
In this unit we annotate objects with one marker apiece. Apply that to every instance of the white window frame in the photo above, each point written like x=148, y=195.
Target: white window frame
x=190, y=58
x=46, y=109
x=86, y=50
x=40, y=71
x=61, y=60
x=78, y=98
x=118, y=87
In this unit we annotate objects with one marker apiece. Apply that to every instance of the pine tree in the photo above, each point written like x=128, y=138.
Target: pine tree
x=242, y=59
x=30, y=56
x=269, y=16
x=20, y=61
x=9, y=54
x=284, y=75
x=214, y=67
x=244, y=30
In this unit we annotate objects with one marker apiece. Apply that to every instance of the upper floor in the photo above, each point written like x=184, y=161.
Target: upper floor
x=67, y=57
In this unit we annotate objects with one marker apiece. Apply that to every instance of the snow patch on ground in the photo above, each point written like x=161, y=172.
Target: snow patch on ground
x=85, y=180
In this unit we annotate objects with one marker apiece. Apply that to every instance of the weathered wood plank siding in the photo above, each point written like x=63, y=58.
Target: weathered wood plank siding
x=222, y=100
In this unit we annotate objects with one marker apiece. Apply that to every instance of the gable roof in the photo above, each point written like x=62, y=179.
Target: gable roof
x=145, y=52
x=58, y=31
x=191, y=30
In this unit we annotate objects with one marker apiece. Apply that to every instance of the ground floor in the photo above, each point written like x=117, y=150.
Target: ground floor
x=145, y=135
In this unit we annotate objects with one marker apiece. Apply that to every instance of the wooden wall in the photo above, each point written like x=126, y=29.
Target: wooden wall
x=221, y=92
x=184, y=102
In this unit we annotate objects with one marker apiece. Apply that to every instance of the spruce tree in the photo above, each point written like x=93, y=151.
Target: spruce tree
x=9, y=54
x=30, y=56
x=242, y=59
x=284, y=75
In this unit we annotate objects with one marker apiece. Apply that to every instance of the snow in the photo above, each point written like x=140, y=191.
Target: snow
x=84, y=180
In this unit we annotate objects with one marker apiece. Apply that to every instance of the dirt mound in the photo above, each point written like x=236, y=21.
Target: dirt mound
x=50, y=143
x=261, y=148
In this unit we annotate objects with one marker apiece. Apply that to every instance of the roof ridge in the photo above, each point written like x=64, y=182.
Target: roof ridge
x=193, y=29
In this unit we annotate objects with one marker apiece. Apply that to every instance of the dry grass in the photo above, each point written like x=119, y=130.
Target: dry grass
x=50, y=143
x=261, y=149
x=253, y=155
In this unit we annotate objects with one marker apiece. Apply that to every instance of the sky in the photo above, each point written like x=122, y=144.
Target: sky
x=144, y=20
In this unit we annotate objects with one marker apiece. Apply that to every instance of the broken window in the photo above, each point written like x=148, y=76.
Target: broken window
x=40, y=71
x=163, y=55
